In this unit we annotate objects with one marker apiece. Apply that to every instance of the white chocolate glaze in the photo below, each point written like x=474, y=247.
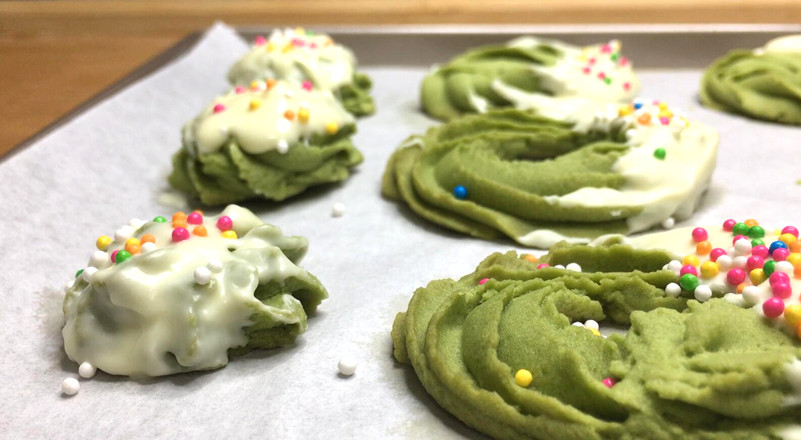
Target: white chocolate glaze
x=262, y=118
x=785, y=44
x=148, y=316
x=296, y=55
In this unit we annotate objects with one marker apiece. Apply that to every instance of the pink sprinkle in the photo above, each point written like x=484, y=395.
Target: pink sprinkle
x=624, y=61
x=739, y=237
x=194, y=218
x=542, y=265
x=655, y=102
x=307, y=85
x=609, y=382
x=313, y=45
x=760, y=251
x=601, y=75
x=114, y=256
x=782, y=290
x=180, y=234
x=591, y=61
x=298, y=42
x=664, y=120
x=699, y=235
x=790, y=230
x=586, y=70
x=224, y=223
x=754, y=262
x=773, y=307
x=239, y=89
x=626, y=86
x=606, y=48
x=780, y=254
x=728, y=225
x=735, y=276
x=716, y=253
x=260, y=40
x=688, y=268
x=778, y=277
x=218, y=108
x=482, y=281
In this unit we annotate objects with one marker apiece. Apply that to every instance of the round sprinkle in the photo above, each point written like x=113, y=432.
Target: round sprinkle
x=347, y=366
x=756, y=231
x=728, y=225
x=229, y=234
x=668, y=223
x=133, y=244
x=703, y=293
x=543, y=265
x=200, y=231
x=784, y=266
x=725, y=262
x=523, y=378
x=742, y=247
x=740, y=261
x=224, y=223
x=699, y=235
x=769, y=267
x=123, y=234
x=757, y=242
x=99, y=259
x=70, y=386
x=776, y=245
x=460, y=192
x=673, y=290
x=754, y=262
x=692, y=260
x=159, y=219
x=254, y=104
x=714, y=254
x=307, y=85
x=215, y=266
x=194, y=218
x=282, y=146
x=675, y=266
x=781, y=290
x=781, y=254
x=114, y=256
x=122, y=256
x=660, y=153
x=735, y=276
x=792, y=314
x=757, y=276
x=533, y=258
x=148, y=238
x=148, y=247
x=180, y=215
x=788, y=238
x=760, y=251
x=103, y=242
x=483, y=281
x=688, y=269
x=303, y=115
x=688, y=282
x=773, y=307
x=338, y=209
x=752, y=294
x=575, y=267
x=87, y=370
x=790, y=230
x=219, y=108
x=180, y=234
x=740, y=229
x=609, y=382
x=709, y=269
x=592, y=324
x=331, y=128
x=703, y=247
x=751, y=222
x=202, y=275
x=794, y=258
x=89, y=273
x=179, y=223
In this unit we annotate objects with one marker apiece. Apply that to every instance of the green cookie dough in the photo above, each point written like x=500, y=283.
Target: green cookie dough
x=540, y=181
x=480, y=79
x=763, y=84
x=185, y=303
x=683, y=370
x=300, y=55
x=272, y=141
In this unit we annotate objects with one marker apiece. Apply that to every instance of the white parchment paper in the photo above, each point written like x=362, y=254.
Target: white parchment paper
x=110, y=164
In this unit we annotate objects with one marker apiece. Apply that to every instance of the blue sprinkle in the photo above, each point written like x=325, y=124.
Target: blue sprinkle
x=460, y=192
x=776, y=245
x=637, y=105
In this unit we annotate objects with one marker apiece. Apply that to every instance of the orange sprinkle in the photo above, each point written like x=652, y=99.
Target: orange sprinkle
x=289, y=114
x=148, y=238
x=180, y=223
x=703, y=248
x=797, y=271
x=271, y=83
x=133, y=248
x=751, y=222
x=644, y=118
x=740, y=287
x=200, y=231
x=532, y=258
x=180, y=215
x=795, y=246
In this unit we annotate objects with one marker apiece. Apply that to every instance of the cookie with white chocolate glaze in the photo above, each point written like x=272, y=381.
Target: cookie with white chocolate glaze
x=165, y=297
x=302, y=56
x=272, y=140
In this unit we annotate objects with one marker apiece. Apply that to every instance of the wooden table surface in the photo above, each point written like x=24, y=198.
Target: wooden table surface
x=54, y=55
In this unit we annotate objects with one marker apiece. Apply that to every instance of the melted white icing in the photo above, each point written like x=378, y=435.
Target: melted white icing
x=148, y=315
x=262, y=118
x=785, y=44
x=295, y=55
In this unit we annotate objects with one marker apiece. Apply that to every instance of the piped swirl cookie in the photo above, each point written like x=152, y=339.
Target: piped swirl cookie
x=272, y=140
x=515, y=349
x=763, y=84
x=164, y=297
x=301, y=56
x=487, y=77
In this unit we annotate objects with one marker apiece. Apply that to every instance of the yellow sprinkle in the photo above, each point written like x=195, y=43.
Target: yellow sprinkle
x=523, y=378
x=662, y=106
x=794, y=259
x=255, y=104
x=757, y=276
x=286, y=48
x=303, y=115
x=777, y=231
x=624, y=110
x=709, y=269
x=299, y=30
x=229, y=234
x=103, y=241
x=331, y=128
x=666, y=114
x=132, y=241
x=787, y=238
x=254, y=85
x=595, y=332
x=792, y=314
x=270, y=46
x=692, y=260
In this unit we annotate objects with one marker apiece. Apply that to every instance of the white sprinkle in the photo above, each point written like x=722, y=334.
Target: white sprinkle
x=592, y=324
x=88, y=274
x=289, y=93
x=578, y=324
x=673, y=290
x=740, y=261
x=123, y=233
x=148, y=247
x=724, y=261
x=283, y=125
x=742, y=247
x=752, y=295
x=794, y=374
x=732, y=252
x=70, y=386
x=136, y=223
x=338, y=210
x=215, y=266
x=785, y=266
x=282, y=146
x=668, y=223
x=202, y=275
x=703, y=293
x=87, y=370
x=347, y=366
x=735, y=299
x=574, y=267
x=559, y=266
x=69, y=285
x=675, y=266
x=630, y=133
x=99, y=259
x=224, y=130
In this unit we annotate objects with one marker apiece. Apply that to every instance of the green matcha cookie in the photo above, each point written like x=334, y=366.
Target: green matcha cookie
x=272, y=141
x=514, y=349
x=304, y=57
x=488, y=77
x=163, y=298
x=762, y=84
x=601, y=168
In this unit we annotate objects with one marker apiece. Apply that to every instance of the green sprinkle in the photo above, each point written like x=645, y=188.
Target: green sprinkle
x=756, y=231
x=688, y=282
x=660, y=153
x=769, y=267
x=160, y=219
x=757, y=242
x=608, y=80
x=615, y=56
x=740, y=229
x=77, y=274
x=122, y=256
